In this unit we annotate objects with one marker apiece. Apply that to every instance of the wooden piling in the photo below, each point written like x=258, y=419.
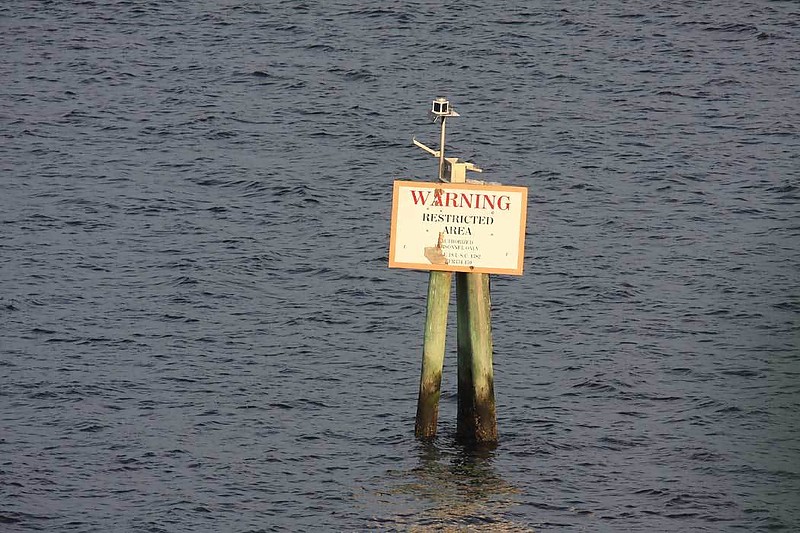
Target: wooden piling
x=477, y=419
x=433, y=354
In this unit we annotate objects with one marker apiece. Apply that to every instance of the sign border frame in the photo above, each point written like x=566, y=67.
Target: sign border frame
x=459, y=268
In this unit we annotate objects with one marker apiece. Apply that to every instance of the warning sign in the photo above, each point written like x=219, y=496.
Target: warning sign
x=459, y=227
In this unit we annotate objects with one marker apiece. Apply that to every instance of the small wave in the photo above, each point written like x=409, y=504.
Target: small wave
x=733, y=27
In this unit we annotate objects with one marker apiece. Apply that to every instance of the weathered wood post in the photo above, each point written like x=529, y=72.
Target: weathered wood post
x=471, y=228
x=477, y=420
x=430, y=381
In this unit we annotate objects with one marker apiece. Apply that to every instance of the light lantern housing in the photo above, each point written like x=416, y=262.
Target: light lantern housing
x=441, y=107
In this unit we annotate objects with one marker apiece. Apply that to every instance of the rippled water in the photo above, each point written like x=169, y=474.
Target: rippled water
x=199, y=332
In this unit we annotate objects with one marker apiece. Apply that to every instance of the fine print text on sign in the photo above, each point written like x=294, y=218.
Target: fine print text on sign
x=459, y=227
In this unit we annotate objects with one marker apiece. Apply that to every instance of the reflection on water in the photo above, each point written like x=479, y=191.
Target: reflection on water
x=455, y=488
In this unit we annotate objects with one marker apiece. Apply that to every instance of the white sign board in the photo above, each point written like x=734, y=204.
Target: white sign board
x=459, y=227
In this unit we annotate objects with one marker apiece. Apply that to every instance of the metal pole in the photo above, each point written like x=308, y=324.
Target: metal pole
x=441, y=152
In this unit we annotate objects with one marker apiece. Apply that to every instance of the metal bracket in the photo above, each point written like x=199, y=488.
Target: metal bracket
x=434, y=153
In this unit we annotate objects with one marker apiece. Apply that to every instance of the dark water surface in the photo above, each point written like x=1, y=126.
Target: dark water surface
x=198, y=329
